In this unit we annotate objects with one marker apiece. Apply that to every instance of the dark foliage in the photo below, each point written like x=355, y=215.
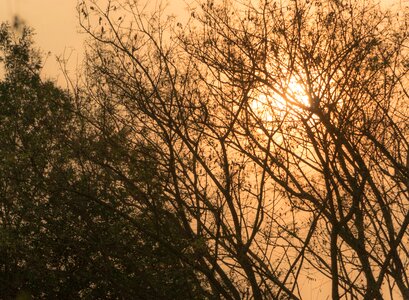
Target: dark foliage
x=67, y=229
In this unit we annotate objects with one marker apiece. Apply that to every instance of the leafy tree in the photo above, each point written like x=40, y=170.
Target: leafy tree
x=282, y=126
x=71, y=227
x=33, y=120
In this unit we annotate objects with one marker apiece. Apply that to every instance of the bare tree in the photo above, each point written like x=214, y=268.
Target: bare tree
x=283, y=130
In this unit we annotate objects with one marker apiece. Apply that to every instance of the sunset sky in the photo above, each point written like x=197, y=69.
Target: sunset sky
x=56, y=27
x=58, y=34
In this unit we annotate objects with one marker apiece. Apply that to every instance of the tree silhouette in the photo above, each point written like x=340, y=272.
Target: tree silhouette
x=282, y=127
x=70, y=226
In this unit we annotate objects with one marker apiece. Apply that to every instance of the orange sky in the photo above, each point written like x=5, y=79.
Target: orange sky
x=56, y=26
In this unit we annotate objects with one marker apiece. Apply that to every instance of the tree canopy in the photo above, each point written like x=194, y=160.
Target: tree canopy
x=70, y=226
x=283, y=126
x=242, y=154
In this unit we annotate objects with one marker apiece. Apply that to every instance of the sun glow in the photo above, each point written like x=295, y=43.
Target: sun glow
x=296, y=94
x=289, y=98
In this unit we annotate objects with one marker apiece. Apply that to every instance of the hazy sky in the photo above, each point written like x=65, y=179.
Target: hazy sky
x=56, y=26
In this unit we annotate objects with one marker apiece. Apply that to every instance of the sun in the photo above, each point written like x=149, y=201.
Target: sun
x=296, y=94
x=288, y=98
